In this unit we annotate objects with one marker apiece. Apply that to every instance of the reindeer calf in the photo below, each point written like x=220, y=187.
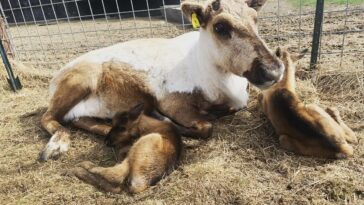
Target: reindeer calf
x=304, y=129
x=155, y=154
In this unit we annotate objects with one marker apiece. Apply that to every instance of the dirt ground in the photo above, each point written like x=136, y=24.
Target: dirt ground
x=242, y=163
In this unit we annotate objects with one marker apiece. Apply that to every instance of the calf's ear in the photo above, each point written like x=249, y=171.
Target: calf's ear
x=135, y=112
x=278, y=52
x=300, y=55
x=120, y=119
x=255, y=4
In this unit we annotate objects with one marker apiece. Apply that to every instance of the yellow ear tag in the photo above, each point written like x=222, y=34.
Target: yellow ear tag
x=195, y=22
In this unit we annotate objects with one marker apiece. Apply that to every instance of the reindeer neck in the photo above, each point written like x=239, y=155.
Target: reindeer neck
x=205, y=73
x=289, y=79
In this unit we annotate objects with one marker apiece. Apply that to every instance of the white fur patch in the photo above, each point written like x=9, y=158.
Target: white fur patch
x=236, y=90
x=58, y=144
x=55, y=144
x=91, y=107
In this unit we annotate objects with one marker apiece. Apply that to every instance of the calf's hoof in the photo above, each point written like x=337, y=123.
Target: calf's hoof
x=346, y=151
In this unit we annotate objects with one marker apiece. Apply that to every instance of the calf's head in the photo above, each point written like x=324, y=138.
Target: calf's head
x=125, y=126
x=229, y=37
x=289, y=60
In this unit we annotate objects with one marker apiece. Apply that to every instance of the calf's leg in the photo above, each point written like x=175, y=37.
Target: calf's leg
x=95, y=180
x=350, y=135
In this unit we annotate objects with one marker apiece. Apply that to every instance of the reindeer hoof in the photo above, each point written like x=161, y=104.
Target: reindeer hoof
x=204, y=129
x=57, y=145
x=346, y=151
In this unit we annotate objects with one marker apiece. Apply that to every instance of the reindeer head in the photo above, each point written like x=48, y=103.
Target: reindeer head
x=125, y=126
x=229, y=35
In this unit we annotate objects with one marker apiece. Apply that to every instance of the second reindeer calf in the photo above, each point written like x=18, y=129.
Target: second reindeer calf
x=304, y=129
x=154, y=154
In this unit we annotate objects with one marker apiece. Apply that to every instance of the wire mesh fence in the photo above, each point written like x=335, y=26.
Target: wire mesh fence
x=48, y=33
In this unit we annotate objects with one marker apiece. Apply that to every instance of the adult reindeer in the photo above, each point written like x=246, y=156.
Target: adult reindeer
x=185, y=77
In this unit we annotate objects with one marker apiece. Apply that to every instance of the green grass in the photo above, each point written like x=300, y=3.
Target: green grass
x=313, y=2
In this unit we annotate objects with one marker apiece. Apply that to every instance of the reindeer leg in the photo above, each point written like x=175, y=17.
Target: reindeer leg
x=92, y=125
x=106, y=178
x=69, y=92
x=338, y=146
x=286, y=142
x=303, y=147
x=181, y=108
x=114, y=175
x=82, y=172
x=221, y=110
x=350, y=135
x=192, y=124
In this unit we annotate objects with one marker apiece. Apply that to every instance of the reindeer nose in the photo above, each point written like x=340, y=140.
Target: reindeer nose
x=273, y=73
x=263, y=75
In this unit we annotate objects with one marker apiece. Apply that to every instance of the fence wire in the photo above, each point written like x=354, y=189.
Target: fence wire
x=48, y=33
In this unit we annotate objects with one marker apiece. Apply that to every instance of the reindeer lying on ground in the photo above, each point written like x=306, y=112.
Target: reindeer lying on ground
x=155, y=153
x=206, y=65
x=304, y=129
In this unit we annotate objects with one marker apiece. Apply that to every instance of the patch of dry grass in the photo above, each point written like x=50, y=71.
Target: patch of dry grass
x=241, y=164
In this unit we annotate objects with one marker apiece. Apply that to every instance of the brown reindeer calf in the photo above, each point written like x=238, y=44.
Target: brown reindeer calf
x=304, y=129
x=155, y=154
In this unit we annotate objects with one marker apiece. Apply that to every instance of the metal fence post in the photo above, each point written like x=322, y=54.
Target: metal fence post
x=319, y=15
x=5, y=37
x=12, y=80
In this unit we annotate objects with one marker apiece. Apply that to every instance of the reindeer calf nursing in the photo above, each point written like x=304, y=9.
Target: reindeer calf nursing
x=155, y=153
x=207, y=66
x=305, y=129
x=99, y=86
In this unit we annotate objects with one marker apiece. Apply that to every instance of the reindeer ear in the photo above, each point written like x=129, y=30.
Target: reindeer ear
x=255, y=4
x=120, y=119
x=278, y=52
x=299, y=56
x=135, y=112
x=189, y=8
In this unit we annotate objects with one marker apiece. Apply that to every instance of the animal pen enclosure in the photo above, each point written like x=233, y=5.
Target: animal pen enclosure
x=241, y=164
x=48, y=33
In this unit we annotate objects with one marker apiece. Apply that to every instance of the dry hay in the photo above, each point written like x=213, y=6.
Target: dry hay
x=241, y=164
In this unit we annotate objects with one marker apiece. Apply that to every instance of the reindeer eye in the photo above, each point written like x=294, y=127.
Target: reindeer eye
x=223, y=30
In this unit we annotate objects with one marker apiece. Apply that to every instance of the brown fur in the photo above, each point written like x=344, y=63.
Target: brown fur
x=305, y=129
x=154, y=154
x=112, y=82
x=125, y=84
x=193, y=111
